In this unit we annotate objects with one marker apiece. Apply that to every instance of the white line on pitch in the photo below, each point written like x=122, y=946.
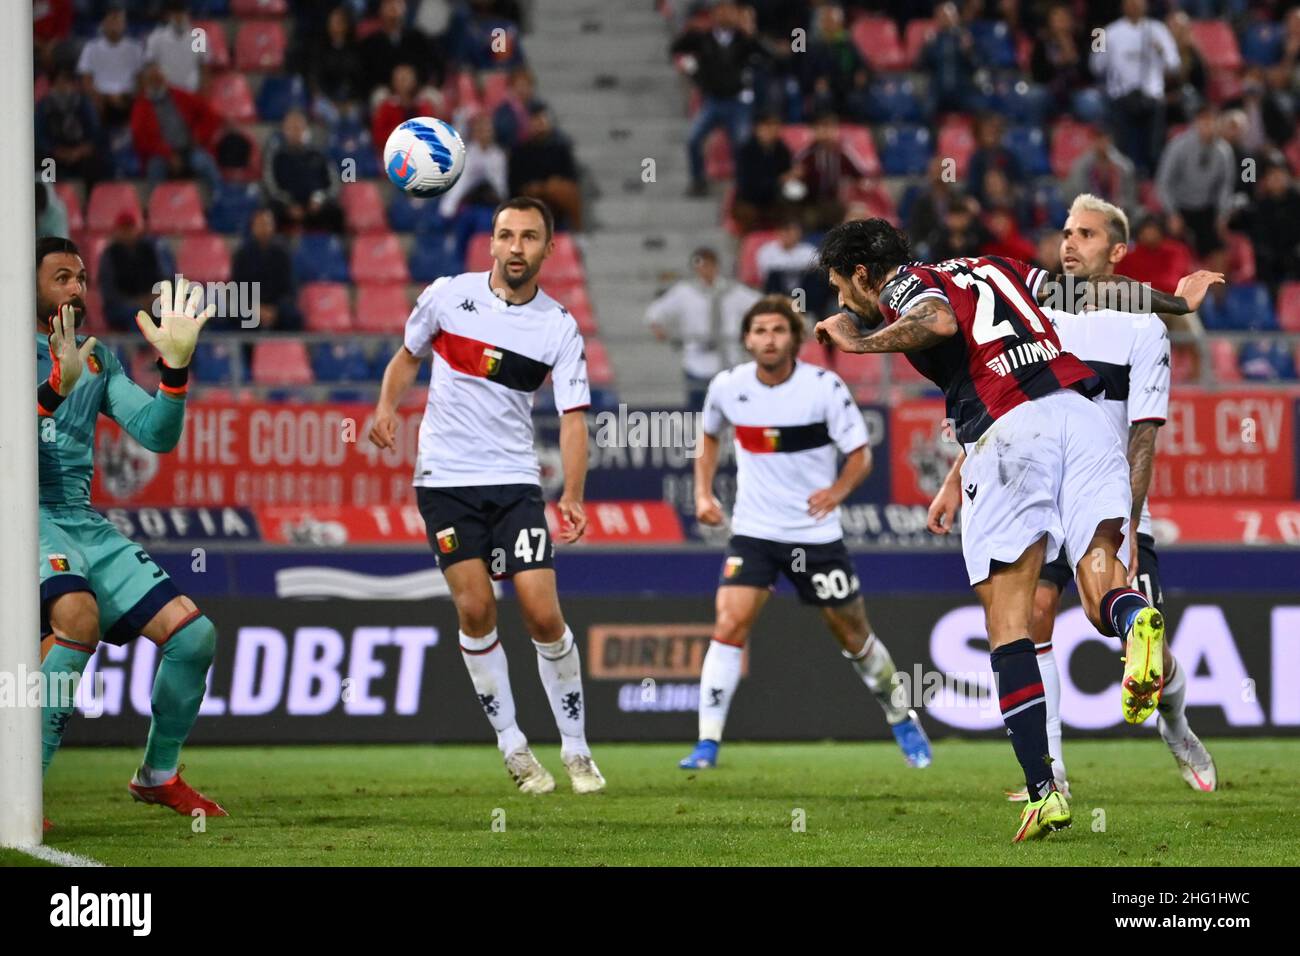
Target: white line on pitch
x=58, y=857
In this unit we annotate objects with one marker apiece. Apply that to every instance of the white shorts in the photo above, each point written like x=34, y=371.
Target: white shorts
x=1051, y=466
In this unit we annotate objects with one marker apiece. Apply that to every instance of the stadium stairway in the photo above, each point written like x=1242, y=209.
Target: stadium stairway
x=603, y=67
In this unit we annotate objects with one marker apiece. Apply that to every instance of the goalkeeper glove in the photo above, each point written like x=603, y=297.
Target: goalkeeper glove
x=177, y=331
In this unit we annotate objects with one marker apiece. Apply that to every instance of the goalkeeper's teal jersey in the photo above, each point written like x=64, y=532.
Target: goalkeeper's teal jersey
x=66, y=448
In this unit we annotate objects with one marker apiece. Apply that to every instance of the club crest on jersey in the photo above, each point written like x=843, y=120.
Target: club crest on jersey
x=772, y=439
x=733, y=565
x=447, y=541
x=59, y=562
x=93, y=363
x=491, y=363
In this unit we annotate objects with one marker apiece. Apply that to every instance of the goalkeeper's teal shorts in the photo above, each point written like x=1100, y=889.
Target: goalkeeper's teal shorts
x=81, y=550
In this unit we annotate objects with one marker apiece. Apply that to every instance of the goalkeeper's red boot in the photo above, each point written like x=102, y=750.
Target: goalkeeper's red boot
x=47, y=826
x=178, y=795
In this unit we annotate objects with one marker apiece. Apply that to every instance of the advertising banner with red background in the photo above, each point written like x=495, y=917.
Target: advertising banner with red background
x=1222, y=445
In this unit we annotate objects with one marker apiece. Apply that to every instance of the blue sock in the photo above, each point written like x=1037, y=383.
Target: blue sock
x=1118, y=608
x=1024, y=711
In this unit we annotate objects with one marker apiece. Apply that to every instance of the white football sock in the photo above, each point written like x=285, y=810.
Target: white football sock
x=718, y=680
x=1052, y=692
x=876, y=668
x=561, y=672
x=1173, y=704
x=485, y=659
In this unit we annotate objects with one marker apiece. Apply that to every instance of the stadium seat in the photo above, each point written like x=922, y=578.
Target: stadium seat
x=363, y=209
x=379, y=258
x=864, y=369
x=1030, y=146
x=1241, y=259
x=1288, y=307
x=1070, y=140
x=92, y=245
x=919, y=32
x=232, y=98
x=356, y=149
x=232, y=206
x=213, y=361
x=176, y=208
x=279, y=94
x=1250, y=308
x=877, y=40
x=259, y=8
x=796, y=137
x=382, y=308
x=1217, y=44
x=1089, y=105
x=1223, y=361
x=1292, y=153
x=204, y=257
x=214, y=35
x=1183, y=365
x=325, y=307
x=994, y=44
x=895, y=99
x=340, y=362
x=857, y=141
x=903, y=373
x=496, y=84
x=957, y=141
x=466, y=92
x=71, y=196
x=718, y=163
x=1262, y=42
x=876, y=199
x=407, y=213
x=281, y=362
x=600, y=371
x=905, y=150
x=320, y=258
x=107, y=202
x=813, y=352
x=1024, y=103
x=1268, y=361
x=747, y=257
x=1224, y=85
x=259, y=46
x=432, y=260
x=573, y=297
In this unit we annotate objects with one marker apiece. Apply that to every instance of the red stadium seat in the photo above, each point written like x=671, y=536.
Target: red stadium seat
x=1069, y=141
x=259, y=8
x=282, y=362
x=107, y=202
x=478, y=254
x=214, y=35
x=325, y=307
x=382, y=308
x=175, y=208
x=1224, y=85
x=71, y=196
x=718, y=164
x=379, y=258
x=857, y=141
x=496, y=84
x=1223, y=360
x=904, y=374
x=363, y=207
x=467, y=97
x=1288, y=307
x=814, y=353
x=1241, y=258
x=877, y=201
x=919, y=33
x=259, y=45
x=204, y=257
x=957, y=140
x=573, y=296
x=877, y=40
x=232, y=98
x=747, y=258
x=1292, y=153
x=796, y=136
x=92, y=245
x=94, y=324
x=599, y=369
x=865, y=369
x=1217, y=44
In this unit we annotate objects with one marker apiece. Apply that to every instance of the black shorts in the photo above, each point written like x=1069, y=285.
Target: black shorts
x=823, y=574
x=1059, y=573
x=504, y=525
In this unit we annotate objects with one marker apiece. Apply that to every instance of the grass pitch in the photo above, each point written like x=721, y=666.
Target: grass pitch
x=859, y=805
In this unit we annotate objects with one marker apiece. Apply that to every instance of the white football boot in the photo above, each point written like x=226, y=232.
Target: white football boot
x=528, y=774
x=584, y=773
x=1194, y=761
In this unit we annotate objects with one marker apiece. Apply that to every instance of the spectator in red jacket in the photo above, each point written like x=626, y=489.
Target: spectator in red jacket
x=827, y=171
x=1156, y=258
x=405, y=100
x=173, y=131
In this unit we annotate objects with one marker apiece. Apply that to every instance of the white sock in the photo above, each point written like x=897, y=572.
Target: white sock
x=561, y=672
x=147, y=776
x=485, y=659
x=1052, y=693
x=718, y=679
x=876, y=668
x=1173, y=704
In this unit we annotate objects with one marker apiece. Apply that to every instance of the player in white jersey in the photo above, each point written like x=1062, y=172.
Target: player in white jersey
x=790, y=419
x=494, y=337
x=1130, y=354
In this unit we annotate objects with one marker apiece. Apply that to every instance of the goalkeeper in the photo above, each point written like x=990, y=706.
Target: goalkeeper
x=97, y=584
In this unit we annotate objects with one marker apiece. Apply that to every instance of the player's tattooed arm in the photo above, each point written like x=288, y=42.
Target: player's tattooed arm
x=926, y=324
x=1122, y=294
x=1141, y=460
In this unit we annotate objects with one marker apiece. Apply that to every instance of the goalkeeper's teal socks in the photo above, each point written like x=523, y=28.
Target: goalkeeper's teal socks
x=60, y=673
x=178, y=689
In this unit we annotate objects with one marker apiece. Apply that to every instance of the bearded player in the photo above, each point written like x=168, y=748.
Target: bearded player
x=790, y=419
x=1130, y=354
x=494, y=337
x=97, y=584
x=1041, y=468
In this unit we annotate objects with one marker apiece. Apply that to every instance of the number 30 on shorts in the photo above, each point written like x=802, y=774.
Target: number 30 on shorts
x=530, y=546
x=834, y=584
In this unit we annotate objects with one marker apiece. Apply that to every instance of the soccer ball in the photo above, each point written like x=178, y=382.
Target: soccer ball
x=424, y=156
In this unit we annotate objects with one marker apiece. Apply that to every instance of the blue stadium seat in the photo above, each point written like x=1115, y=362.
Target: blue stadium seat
x=232, y=206
x=432, y=260
x=320, y=258
x=1267, y=362
x=1261, y=44
x=896, y=100
x=355, y=146
x=279, y=94
x=1030, y=146
x=905, y=150
x=210, y=8
x=1024, y=103
x=1089, y=105
x=213, y=362
x=408, y=213
x=340, y=362
x=1249, y=307
x=995, y=45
